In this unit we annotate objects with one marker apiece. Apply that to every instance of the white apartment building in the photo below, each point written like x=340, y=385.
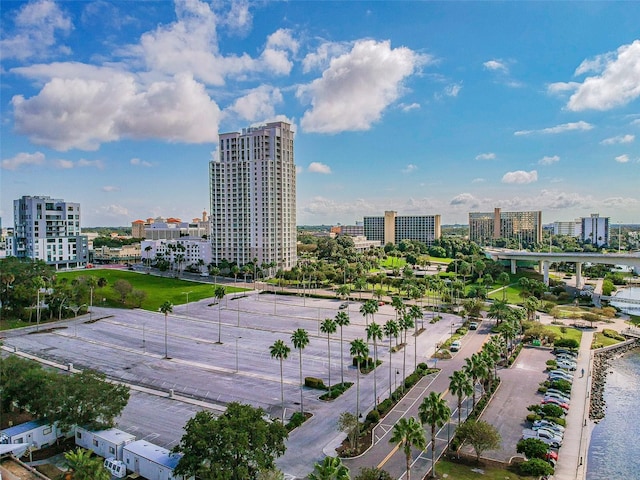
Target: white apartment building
x=393, y=228
x=572, y=229
x=596, y=229
x=253, y=197
x=193, y=249
x=48, y=229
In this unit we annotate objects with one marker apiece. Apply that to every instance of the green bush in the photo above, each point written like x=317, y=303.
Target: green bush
x=384, y=406
x=551, y=410
x=297, y=419
x=566, y=343
x=535, y=467
x=560, y=421
x=562, y=385
x=532, y=417
x=542, y=389
x=336, y=391
x=313, y=382
x=552, y=363
x=373, y=417
x=607, y=332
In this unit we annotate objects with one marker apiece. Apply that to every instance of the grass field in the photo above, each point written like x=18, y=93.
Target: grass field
x=573, y=333
x=459, y=471
x=602, y=341
x=158, y=289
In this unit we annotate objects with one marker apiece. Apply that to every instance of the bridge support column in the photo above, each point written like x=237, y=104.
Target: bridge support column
x=578, y=274
x=514, y=267
x=545, y=272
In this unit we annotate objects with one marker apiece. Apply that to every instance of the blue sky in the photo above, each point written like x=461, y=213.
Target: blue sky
x=419, y=107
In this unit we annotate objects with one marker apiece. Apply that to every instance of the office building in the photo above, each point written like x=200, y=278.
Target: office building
x=522, y=227
x=48, y=229
x=356, y=230
x=595, y=229
x=571, y=229
x=253, y=197
x=393, y=228
x=160, y=228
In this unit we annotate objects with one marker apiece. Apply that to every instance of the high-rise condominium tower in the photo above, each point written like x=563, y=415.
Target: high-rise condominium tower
x=253, y=197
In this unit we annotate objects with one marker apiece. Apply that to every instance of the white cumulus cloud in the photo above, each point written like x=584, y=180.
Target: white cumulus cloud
x=37, y=25
x=63, y=164
x=618, y=139
x=23, y=159
x=498, y=65
x=408, y=107
x=520, y=177
x=320, y=58
x=616, y=80
x=317, y=167
x=140, y=163
x=549, y=160
x=465, y=199
x=410, y=168
x=83, y=112
x=110, y=188
x=357, y=87
x=486, y=156
x=565, y=127
x=258, y=104
x=622, y=158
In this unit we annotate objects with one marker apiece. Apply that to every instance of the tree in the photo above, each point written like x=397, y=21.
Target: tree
x=391, y=329
x=234, y=446
x=219, y=292
x=342, y=320
x=329, y=327
x=331, y=468
x=300, y=339
x=409, y=433
x=532, y=448
x=481, y=435
x=373, y=473
x=498, y=311
x=460, y=386
x=85, y=466
x=166, y=308
x=433, y=411
x=531, y=304
x=406, y=322
x=359, y=350
x=87, y=399
x=374, y=333
x=535, y=467
x=349, y=424
x=123, y=288
x=474, y=368
x=280, y=350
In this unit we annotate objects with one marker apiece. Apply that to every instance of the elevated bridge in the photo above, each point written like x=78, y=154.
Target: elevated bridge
x=544, y=259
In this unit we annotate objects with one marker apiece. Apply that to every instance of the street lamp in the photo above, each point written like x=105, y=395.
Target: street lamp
x=237, y=338
x=187, y=294
x=144, y=348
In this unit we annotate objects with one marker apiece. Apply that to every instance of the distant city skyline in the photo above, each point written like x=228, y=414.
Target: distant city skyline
x=423, y=108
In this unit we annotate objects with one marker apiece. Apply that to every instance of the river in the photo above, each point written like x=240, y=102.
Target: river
x=614, y=451
x=632, y=293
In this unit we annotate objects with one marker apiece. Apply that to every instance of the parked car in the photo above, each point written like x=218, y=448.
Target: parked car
x=561, y=375
x=551, y=455
x=548, y=424
x=550, y=432
x=551, y=440
x=343, y=306
x=559, y=433
x=571, y=366
x=553, y=390
x=455, y=346
x=473, y=326
x=559, y=396
x=564, y=356
x=555, y=401
x=565, y=351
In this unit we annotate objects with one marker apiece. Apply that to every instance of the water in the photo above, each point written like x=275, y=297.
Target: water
x=614, y=451
x=632, y=293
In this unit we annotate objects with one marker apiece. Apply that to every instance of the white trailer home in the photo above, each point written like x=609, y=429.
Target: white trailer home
x=151, y=461
x=37, y=433
x=106, y=443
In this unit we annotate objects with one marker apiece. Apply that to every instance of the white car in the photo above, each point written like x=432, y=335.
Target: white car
x=455, y=346
x=571, y=366
x=557, y=396
x=561, y=374
x=564, y=356
x=559, y=392
x=547, y=424
x=551, y=440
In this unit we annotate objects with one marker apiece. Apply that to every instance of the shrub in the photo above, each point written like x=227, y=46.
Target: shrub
x=535, y=408
x=535, y=467
x=373, y=417
x=607, y=332
x=297, y=419
x=336, y=391
x=566, y=343
x=560, y=421
x=562, y=385
x=551, y=410
x=532, y=417
x=384, y=406
x=552, y=364
x=313, y=382
x=542, y=389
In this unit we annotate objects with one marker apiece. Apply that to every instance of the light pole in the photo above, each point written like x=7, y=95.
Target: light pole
x=144, y=347
x=237, y=338
x=166, y=351
x=187, y=294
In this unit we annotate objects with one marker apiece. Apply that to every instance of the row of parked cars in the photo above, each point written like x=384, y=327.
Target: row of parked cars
x=548, y=431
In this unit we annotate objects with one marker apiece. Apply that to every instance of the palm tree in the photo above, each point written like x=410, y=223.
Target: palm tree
x=215, y=271
x=391, y=329
x=219, y=292
x=166, y=308
x=235, y=270
x=408, y=433
x=300, y=339
x=343, y=291
x=498, y=310
x=435, y=412
x=342, y=320
x=359, y=350
x=374, y=333
x=85, y=466
x=147, y=249
x=398, y=305
x=280, y=350
x=329, y=327
x=476, y=369
x=366, y=309
x=406, y=322
x=504, y=280
x=360, y=284
x=415, y=313
x=531, y=304
x=460, y=386
x=331, y=468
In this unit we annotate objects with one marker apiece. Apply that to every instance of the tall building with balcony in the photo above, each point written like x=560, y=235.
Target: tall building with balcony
x=393, y=228
x=253, y=197
x=523, y=227
x=48, y=229
x=596, y=229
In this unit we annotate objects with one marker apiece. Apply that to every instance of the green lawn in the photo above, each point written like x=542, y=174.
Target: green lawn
x=158, y=289
x=569, y=332
x=459, y=471
x=603, y=341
